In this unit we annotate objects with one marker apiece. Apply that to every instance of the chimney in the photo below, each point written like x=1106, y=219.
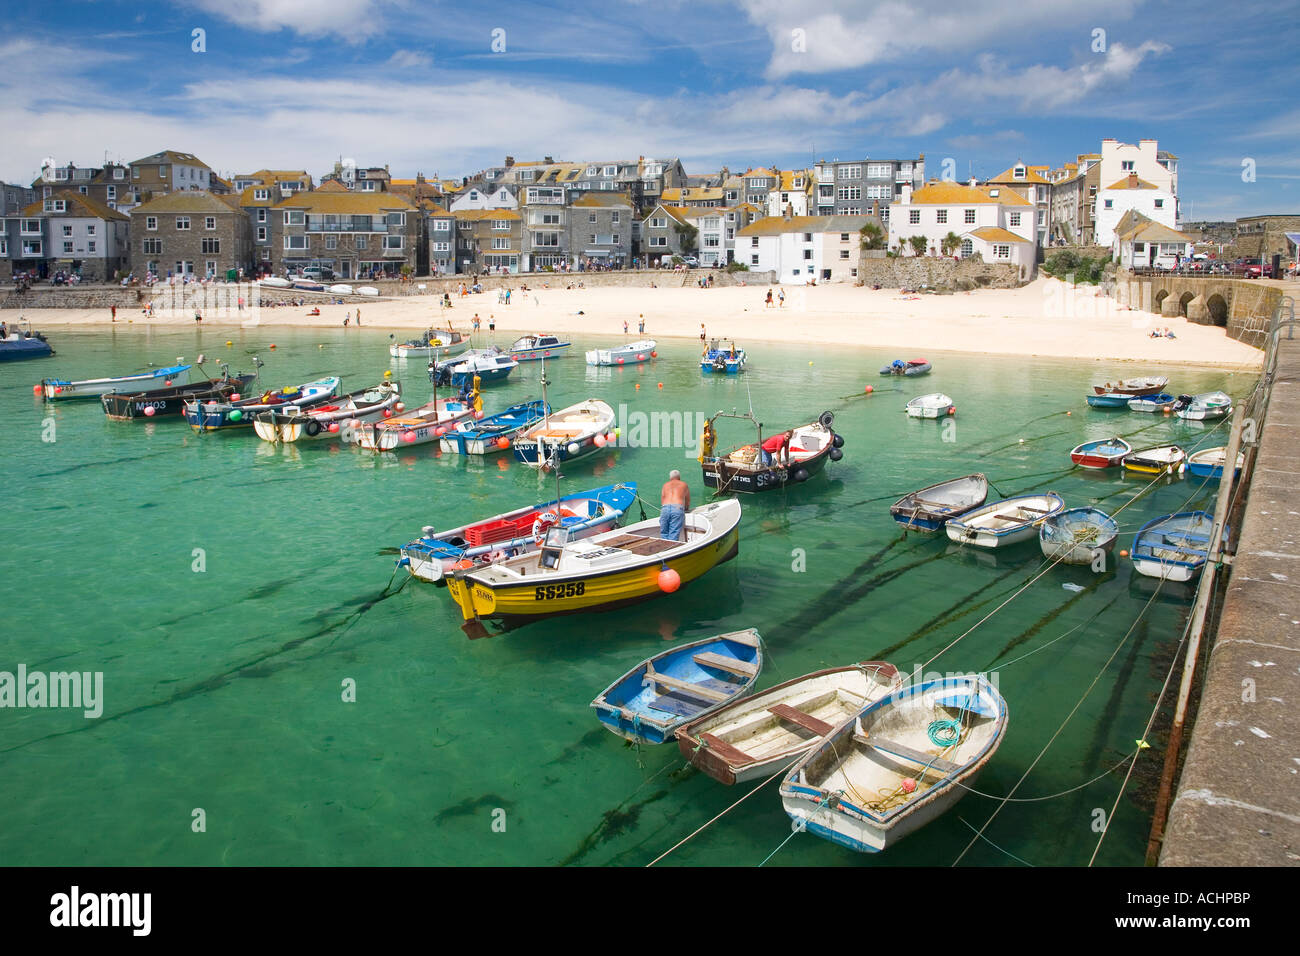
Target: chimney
x=1132, y=180
x=549, y=161
x=973, y=181
x=510, y=161
x=789, y=211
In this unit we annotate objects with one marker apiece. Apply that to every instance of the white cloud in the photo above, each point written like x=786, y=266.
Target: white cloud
x=410, y=59
x=351, y=20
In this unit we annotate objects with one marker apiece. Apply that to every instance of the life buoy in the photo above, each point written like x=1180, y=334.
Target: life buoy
x=312, y=428
x=544, y=521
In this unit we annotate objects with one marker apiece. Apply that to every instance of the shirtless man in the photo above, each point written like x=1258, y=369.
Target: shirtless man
x=676, y=501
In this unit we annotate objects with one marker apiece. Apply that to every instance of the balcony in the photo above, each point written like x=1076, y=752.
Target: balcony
x=355, y=225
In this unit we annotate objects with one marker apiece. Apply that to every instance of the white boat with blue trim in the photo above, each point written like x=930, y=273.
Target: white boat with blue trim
x=59, y=389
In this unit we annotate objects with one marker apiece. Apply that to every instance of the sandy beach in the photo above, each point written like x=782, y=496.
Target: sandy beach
x=1045, y=318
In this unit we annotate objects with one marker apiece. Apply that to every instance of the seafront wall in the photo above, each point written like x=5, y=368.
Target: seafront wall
x=1237, y=802
x=950, y=275
x=1242, y=306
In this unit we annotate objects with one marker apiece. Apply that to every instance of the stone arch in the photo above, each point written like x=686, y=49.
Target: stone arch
x=1183, y=299
x=1218, y=310
x=1158, y=300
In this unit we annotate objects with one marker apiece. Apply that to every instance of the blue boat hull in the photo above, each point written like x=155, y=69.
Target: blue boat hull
x=486, y=376
x=1109, y=401
x=32, y=348
x=482, y=438
x=536, y=355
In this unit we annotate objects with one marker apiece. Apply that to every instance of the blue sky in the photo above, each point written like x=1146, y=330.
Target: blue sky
x=300, y=83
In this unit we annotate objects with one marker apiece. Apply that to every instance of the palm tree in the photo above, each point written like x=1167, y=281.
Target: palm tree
x=873, y=237
x=950, y=243
x=918, y=244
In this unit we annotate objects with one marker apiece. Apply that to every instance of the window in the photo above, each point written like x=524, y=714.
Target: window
x=293, y=217
x=849, y=172
x=970, y=217
x=367, y=185
x=1018, y=173
x=753, y=260
x=878, y=171
x=152, y=247
x=591, y=217
x=1160, y=204
x=209, y=222
x=135, y=172
x=266, y=255
x=547, y=239
x=879, y=192
x=331, y=242
x=210, y=267
x=67, y=248
x=67, y=230
x=500, y=242
x=844, y=253
x=261, y=214
x=914, y=216
x=441, y=225
x=592, y=238
x=1108, y=203
x=32, y=248
x=844, y=237
x=4, y=247
x=442, y=247
x=658, y=241
x=1014, y=219
x=1001, y=252
x=295, y=242
x=1127, y=165
x=119, y=173
x=807, y=254
x=261, y=194
x=941, y=217
x=500, y=225
x=967, y=247
x=182, y=222
x=849, y=192
x=56, y=205
x=31, y=227
x=261, y=233
x=111, y=192
x=658, y=222
x=754, y=242
x=392, y=242
x=90, y=229
x=614, y=217
x=361, y=242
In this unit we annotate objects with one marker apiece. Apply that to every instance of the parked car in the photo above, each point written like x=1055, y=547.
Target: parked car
x=1253, y=268
x=319, y=274
x=691, y=261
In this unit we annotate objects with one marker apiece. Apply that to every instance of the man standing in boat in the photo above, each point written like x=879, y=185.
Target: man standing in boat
x=776, y=448
x=675, y=499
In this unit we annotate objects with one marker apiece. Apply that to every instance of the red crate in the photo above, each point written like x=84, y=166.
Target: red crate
x=490, y=531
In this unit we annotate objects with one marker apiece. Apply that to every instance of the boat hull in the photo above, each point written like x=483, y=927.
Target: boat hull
x=1109, y=401
x=280, y=428
x=525, y=601
x=18, y=350
x=170, y=402
x=634, y=354
x=55, y=390
x=391, y=434
x=915, y=512
x=537, y=355
x=981, y=529
x=484, y=437
x=718, y=475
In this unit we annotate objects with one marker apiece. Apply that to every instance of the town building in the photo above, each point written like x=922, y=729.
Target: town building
x=990, y=221
x=191, y=234
x=1031, y=184
x=847, y=188
x=600, y=229
x=1141, y=242
x=1264, y=237
x=167, y=172
x=1131, y=194
x=67, y=232
x=488, y=240
x=804, y=249
x=1073, y=200
x=355, y=235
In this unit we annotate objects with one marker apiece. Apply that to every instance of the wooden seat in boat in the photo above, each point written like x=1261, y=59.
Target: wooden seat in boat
x=907, y=753
x=640, y=543
x=686, y=687
x=734, y=756
x=681, y=706
x=806, y=721
x=722, y=662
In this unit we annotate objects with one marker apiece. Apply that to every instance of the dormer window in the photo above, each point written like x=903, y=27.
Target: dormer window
x=56, y=205
x=261, y=194
x=1019, y=172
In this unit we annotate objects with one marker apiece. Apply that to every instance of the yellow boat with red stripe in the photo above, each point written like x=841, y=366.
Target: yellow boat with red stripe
x=604, y=571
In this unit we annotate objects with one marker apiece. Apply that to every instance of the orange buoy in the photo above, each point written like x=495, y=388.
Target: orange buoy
x=669, y=580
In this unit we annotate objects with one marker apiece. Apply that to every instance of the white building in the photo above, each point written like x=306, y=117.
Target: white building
x=994, y=222
x=479, y=196
x=800, y=249
x=1142, y=242
x=1132, y=194
x=792, y=194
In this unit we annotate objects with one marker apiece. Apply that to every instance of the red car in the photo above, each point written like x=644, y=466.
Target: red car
x=1253, y=268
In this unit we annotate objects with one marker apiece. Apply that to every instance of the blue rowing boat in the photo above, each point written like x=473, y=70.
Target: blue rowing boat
x=1174, y=547
x=1109, y=400
x=683, y=684
x=493, y=434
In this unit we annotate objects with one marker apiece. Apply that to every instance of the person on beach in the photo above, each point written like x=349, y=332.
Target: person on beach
x=198, y=316
x=703, y=336
x=640, y=329
x=477, y=322
x=625, y=326
x=113, y=310
x=768, y=300
x=347, y=320
x=358, y=318
x=782, y=298
x=675, y=497
x=492, y=324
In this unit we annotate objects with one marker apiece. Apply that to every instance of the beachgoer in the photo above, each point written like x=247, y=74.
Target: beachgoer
x=675, y=497
x=702, y=333
x=768, y=300
x=492, y=323
x=477, y=322
x=782, y=298
x=625, y=326
x=640, y=329
x=358, y=318
x=113, y=310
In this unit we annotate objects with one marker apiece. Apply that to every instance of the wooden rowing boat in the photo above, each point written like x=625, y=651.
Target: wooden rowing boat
x=1004, y=523
x=931, y=508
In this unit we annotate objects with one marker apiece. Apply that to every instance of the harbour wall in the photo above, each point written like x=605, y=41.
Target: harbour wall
x=1243, y=307
x=944, y=275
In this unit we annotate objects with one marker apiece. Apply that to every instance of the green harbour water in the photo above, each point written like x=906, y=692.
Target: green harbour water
x=223, y=686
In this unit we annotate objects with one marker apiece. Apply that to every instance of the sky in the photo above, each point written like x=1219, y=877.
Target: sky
x=450, y=88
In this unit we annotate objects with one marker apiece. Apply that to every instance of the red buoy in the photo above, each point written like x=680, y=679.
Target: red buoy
x=669, y=580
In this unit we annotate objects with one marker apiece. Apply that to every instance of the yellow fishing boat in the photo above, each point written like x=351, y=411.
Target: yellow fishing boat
x=597, y=573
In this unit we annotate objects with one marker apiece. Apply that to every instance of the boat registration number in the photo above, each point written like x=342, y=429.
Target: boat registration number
x=551, y=591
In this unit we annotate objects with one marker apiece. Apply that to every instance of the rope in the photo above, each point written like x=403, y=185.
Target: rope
x=1088, y=690
x=995, y=846
x=718, y=817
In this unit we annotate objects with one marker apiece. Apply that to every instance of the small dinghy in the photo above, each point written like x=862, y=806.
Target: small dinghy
x=909, y=367
x=1204, y=407
x=1148, y=385
x=1174, y=547
x=58, y=389
x=275, y=282
x=722, y=358
x=1078, y=535
x=368, y=290
x=1109, y=400
x=491, y=435
x=1209, y=463
x=329, y=419
x=427, y=423
x=489, y=366
x=512, y=533
x=208, y=416
x=771, y=463
x=931, y=508
x=170, y=402
x=934, y=405
x=899, y=764
x=442, y=343
x=685, y=683
x=567, y=435
x=632, y=354
x=535, y=348
x=21, y=343
x=1105, y=453
x=757, y=736
x=1005, y=522
x=1161, y=402
x=1160, y=460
